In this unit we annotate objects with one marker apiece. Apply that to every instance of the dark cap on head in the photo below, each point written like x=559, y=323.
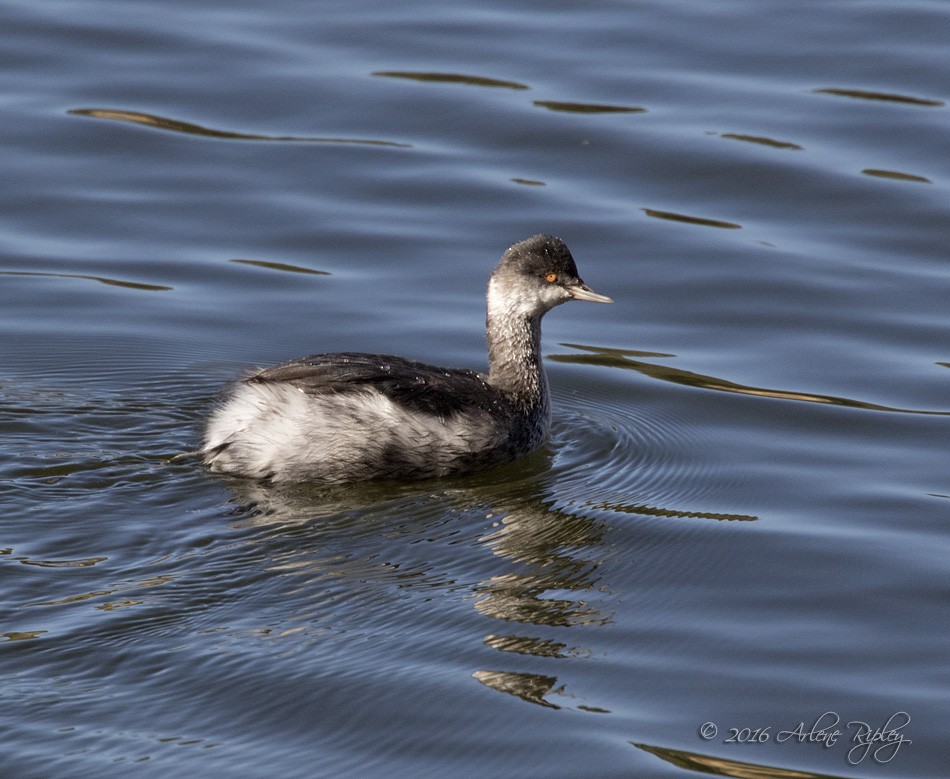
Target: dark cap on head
x=539, y=255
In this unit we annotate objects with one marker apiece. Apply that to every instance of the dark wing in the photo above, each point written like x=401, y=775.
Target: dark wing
x=413, y=385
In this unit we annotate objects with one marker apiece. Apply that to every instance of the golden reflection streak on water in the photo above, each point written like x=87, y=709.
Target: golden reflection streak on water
x=119, y=604
x=656, y=511
x=174, y=125
x=152, y=582
x=761, y=139
x=281, y=266
x=89, y=561
x=891, y=97
x=895, y=174
x=529, y=182
x=707, y=764
x=22, y=635
x=451, y=78
x=588, y=108
x=617, y=358
x=693, y=220
x=100, y=279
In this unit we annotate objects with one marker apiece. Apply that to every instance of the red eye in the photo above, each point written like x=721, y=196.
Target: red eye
x=551, y=277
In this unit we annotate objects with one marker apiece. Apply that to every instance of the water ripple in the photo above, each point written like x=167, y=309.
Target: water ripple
x=175, y=125
x=720, y=766
x=693, y=220
x=101, y=279
x=763, y=141
x=588, y=108
x=640, y=463
x=281, y=266
x=620, y=358
x=895, y=174
x=890, y=97
x=451, y=78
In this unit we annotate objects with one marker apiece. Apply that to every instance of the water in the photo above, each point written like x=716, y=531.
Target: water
x=741, y=518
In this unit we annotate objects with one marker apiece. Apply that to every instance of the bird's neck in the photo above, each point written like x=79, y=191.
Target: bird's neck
x=514, y=358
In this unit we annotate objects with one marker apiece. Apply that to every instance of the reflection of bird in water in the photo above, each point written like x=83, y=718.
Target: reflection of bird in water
x=350, y=417
x=548, y=552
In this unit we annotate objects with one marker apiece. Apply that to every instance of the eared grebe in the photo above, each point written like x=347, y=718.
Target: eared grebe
x=349, y=417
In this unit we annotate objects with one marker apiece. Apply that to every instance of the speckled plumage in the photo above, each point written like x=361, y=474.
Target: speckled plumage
x=350, y=417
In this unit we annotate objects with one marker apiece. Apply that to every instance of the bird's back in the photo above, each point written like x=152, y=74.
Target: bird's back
x=349, y=416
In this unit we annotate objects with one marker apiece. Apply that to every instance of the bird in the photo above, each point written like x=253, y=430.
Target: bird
x=349, y=417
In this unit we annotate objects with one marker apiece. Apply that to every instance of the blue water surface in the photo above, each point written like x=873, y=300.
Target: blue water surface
x=736, y=542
